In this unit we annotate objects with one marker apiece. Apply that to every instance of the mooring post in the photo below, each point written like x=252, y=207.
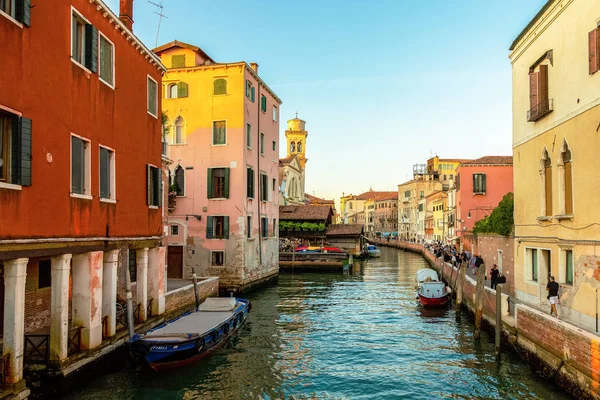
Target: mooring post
x=479, y=300
x=129, y=304
x=458, y=285
x=498, y=318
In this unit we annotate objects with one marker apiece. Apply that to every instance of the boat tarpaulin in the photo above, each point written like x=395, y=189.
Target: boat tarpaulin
x=423, y=274
x=218, y=304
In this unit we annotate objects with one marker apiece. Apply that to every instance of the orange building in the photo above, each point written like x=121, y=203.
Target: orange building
x=80, y=172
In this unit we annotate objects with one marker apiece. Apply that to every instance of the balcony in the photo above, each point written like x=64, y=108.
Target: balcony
x=541, y=110
x=165, y=146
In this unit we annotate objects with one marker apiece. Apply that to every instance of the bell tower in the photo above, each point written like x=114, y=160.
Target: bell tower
x=296, y=135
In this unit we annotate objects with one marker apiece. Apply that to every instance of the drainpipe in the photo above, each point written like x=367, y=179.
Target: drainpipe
x=259, y=176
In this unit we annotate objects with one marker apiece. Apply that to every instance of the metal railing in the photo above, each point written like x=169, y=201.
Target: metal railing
x=74, y=345
x=37, y=348
x=540, y=110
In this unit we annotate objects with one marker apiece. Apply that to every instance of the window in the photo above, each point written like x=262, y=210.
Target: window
x=567, y=175
x=274, y=114
x=299, y=147
x=479, y=183
x=178, y=61
x=539, y=103
x=546, y=176
x=180, y=180
x=264, y=187
x=262, y=143
x=152, y=97
x=249, y=226
x=249, y=136
x=107, y=173
x=274, y=230
x=219, y=133
x=445, y=177
x=172, y=91
x=154, y=183
x=15, y=149
x=274, y=145
x=219, y=86
x=84, y=42
x=132, y=265
x=179, y=123
x=569, y=265
x=407, y=194
x=218, y=183
x=422, y=194
x=182, y=90
x=594, y=50
x=292, y=147
x=80, y=166
x=274, y=184
x=534, y=265
x=44, y=274
x=451, y=177
x=264, y=227
x=217, y=227
x=250, y=92
x=174, y=230
x=263, y=103
x=421, y=207
x=217, y=258
x=107, y=61
x=250, y=183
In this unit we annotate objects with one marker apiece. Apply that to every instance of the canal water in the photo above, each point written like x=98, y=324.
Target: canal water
x=360, y=335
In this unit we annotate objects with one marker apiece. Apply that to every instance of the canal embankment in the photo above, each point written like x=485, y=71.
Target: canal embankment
x=563, y=352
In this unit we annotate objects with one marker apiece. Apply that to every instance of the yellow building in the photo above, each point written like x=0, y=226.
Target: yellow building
x=556, y=109
x=409, y=195
x=440, y=230
x=444, y=169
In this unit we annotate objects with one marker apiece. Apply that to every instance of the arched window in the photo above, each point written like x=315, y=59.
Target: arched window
x=292, y=147
x=172, y=92
x=180, y=180
x=179, y=123
x=220, y=86
x=299, y=147
x=546, y=183
x=566, y=179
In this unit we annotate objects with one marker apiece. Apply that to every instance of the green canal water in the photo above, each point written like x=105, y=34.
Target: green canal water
x=360, y=335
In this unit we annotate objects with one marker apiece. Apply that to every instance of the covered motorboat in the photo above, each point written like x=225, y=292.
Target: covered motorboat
x=192, y=336
x=431, y=292
x=373, y=251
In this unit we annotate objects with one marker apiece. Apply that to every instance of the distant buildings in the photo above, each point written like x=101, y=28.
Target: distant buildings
x=223, y=134
x=353, y=209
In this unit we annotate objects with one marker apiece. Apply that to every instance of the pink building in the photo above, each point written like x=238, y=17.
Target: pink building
x=481, y=184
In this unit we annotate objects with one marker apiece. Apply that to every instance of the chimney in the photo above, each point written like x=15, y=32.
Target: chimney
x=254, y=66
x=126, y=13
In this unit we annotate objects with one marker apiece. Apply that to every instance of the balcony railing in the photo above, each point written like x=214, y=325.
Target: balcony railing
x=539, y=111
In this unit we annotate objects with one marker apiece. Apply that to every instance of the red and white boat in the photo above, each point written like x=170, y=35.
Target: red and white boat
x=431, y=292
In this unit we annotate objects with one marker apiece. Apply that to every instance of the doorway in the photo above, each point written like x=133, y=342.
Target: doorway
x=175, y=262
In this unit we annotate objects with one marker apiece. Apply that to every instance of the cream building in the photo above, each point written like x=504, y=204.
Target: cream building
x=409, y=195
x=556, y=109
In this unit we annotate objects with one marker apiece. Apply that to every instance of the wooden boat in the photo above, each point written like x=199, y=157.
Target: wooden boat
x=192, y=336
x=373, y=251
x=431, y=292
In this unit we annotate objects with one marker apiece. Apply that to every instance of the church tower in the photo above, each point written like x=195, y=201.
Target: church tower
x=296, y=135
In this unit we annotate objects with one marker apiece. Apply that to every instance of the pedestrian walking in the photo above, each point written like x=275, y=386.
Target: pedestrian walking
x=494, y=276
x=552, y=289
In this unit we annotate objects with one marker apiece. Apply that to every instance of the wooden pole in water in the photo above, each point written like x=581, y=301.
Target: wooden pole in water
x=479, y=300
x=195, y=280
x=458, y=285
x=129, y=304
x=498, y=317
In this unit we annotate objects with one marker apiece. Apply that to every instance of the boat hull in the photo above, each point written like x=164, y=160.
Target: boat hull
x=163, y=355
x=434, y=301
x=374, y=253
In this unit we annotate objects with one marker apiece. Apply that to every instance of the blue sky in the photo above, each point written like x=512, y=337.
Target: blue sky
x=381, y=84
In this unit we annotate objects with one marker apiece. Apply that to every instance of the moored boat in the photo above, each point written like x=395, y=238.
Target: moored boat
x=431, y=292
x=373, y=251
x=192, y=336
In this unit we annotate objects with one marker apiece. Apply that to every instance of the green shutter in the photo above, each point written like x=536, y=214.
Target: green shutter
x=91, y=48
x=21, y=152
x=475, y=183
x=23, y=12
x=226, y=190
x=247, y=89
x=178, y=61
x=483, y=183
x=209, y=227
x=252, y=94
x=226, y=227
x=209, y=184
x=157, y=186
x=149, y=185
x=249, y=183
x=182, y=89
x=263, y=103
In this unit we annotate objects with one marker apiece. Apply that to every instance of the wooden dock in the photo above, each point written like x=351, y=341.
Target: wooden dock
x=313, y=262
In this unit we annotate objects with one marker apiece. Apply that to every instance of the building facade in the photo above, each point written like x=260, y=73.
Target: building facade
x=81, y=202
x=556, y=109
x=386, y=212
x=409, y=196
x=223, y=139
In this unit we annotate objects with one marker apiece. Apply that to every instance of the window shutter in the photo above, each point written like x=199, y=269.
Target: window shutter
x=475, y=183
x=91, y=48
x=483, y=183
x=247, y=89
x=593, y=51
x=104, y=173
x=263, y=103
x=209, y=228
x=543, y=87
x=252, y=94
x=226, y=227
x=149, y=184
x=209, y=184
x=23, y=12
x=157, y=186
x=21, y=152
x=226, y=189
x=533, y=89
x=249, y=182
x=568, y=189
x=182, y=89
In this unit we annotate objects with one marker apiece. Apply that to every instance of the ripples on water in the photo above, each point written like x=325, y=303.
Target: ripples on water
x=360, y=335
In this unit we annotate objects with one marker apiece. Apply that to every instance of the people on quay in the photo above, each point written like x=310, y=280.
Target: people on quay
x=494, y=276
x=552, y=289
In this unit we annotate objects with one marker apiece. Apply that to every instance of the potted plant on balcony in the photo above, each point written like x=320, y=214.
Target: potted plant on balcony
x=173, y=192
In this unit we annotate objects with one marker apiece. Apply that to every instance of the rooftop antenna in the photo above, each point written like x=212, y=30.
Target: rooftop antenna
x=160, y=17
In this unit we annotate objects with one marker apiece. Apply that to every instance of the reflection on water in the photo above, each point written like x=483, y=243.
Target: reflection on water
x=360, y=335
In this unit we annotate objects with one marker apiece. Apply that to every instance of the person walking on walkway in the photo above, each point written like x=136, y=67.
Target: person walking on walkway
x=552, y=288
x=494, y=276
